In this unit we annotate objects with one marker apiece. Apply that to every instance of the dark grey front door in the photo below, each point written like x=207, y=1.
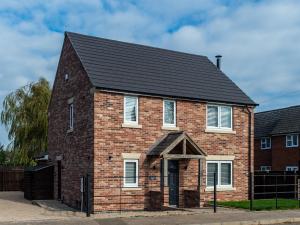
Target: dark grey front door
x=173, y=181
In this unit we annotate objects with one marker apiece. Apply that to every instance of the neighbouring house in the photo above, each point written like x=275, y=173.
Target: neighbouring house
x=277, y=139
x=151, y=126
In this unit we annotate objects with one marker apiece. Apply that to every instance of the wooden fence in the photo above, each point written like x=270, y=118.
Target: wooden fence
x=11, y=179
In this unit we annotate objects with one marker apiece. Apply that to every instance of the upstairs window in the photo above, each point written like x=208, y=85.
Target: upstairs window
x=169, y=113
x=265, y=143
x=71, y=114
x=131, y=109
x=292, y=140
x=219, y=117
x=130, y=173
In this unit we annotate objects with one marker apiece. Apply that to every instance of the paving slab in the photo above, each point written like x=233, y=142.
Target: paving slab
x=222, y=217
x=14, y=208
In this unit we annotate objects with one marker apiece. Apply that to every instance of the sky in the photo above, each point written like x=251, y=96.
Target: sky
x=259, y=40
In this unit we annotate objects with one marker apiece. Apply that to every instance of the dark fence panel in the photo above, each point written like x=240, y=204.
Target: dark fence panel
x=39, y=183
x=272, y=184
x=11, y=178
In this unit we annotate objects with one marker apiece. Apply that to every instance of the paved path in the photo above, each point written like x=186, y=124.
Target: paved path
x=226, y=217
x=13, y=207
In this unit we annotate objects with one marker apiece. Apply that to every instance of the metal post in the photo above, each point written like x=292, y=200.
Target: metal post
x=88, y=210
x=298, y=192
x=215, y=192
x=120, y=197
x=251, y=190
x=276, y=192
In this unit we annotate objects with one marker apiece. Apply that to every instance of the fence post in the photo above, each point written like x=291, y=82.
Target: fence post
x=120, y=184
x=215, y=192
x=88, y=210
x=251, y=190
x=276, y=192
x=298, y=192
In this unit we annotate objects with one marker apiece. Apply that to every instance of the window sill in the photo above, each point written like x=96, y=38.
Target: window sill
x=70, y=131
x=169, y=128
x=264, y=149
x=211, y=189
x=127, y=125
x=221, y=131
x=131, y=189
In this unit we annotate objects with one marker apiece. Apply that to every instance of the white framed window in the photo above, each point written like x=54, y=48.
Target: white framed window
x=71, y=116
x=223, y=170
x=265, y=143
x=291, y=168
x=130, y=110
x=169, y=113
x=219, y=117
x=292, y=140
x=131, y=167
x=265, y=168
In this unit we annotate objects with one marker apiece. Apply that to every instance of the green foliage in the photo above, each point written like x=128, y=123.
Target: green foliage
x=25, y=117
x=263, y=204
x=2, y=155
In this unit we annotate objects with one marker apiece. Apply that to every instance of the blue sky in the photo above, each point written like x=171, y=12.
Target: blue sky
x=259, y=40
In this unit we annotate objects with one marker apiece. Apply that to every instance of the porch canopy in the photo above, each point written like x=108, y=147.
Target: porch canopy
x=176, y=145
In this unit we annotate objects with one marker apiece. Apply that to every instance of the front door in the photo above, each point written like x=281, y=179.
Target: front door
x=173, y=181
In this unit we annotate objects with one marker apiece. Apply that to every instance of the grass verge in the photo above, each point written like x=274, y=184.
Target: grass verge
x=262, y=204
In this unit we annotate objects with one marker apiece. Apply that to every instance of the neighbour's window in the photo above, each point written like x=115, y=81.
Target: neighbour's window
x=265, y=143
x=219, y=117
x=292, y=140
x=265, y=168
x=130, y=109
x=292, y=168
x=223, y=171
x=71, y=116
x=130, y=173
x=169, y=113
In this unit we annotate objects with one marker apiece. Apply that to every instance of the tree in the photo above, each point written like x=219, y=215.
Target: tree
x=2, y=155
x=25, y=117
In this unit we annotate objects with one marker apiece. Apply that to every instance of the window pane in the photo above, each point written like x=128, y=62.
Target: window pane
x=211, y=169
x=130, y=109
x=130, y=172
x=212, y=116
x=169, y=112
x=225, y=173
x=295, y=140
x=71, y=115
x=226, y=116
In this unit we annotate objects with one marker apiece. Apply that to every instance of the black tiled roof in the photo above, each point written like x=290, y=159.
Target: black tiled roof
x=120, y=66
x=279, y=121
x=164, y=143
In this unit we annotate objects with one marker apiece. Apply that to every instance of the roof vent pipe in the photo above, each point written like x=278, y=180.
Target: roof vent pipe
x=218, y=57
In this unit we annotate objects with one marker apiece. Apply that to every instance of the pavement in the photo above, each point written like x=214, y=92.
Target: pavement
x=15, y=210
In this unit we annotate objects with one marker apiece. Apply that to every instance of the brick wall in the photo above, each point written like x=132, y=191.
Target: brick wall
x=98, y=141
x=278, y=156
x=74, y=148
x=113, y=140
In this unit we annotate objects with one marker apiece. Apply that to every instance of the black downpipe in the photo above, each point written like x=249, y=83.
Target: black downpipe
x=251, y=175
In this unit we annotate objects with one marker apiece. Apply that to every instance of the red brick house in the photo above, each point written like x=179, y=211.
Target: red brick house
x=277, y=139
x=150, y=126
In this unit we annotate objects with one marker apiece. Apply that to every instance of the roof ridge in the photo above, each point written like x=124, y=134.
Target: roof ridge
x=279, y=109
x=131, y=43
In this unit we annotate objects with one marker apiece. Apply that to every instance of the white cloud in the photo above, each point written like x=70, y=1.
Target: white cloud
x=259, y=40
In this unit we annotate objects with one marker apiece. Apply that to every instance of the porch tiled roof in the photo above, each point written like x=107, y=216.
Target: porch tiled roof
x=162, y=144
